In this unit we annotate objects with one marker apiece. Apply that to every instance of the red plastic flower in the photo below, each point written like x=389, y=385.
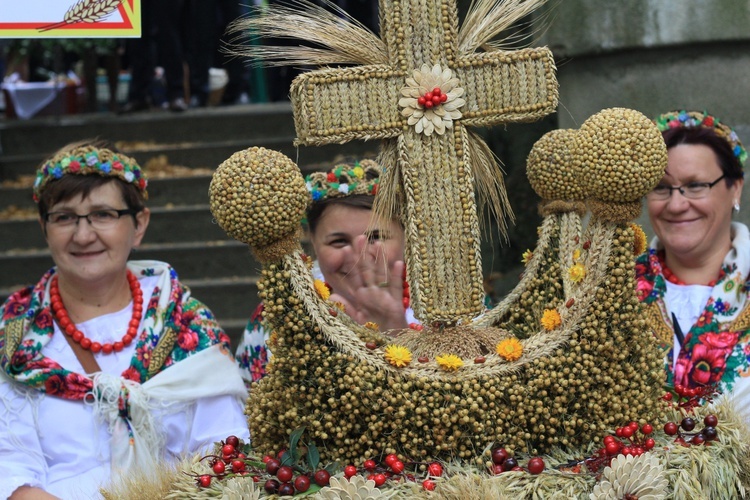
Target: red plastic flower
x=117, y=165
x=74, y=166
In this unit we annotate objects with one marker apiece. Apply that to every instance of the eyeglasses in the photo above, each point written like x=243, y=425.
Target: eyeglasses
x=691, y=190
x=99, y=219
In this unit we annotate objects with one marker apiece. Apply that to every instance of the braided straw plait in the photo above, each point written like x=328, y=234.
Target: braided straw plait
x=329, y=107
x=548, y=227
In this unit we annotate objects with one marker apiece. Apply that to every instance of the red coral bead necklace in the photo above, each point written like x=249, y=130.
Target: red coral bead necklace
x=69, y=328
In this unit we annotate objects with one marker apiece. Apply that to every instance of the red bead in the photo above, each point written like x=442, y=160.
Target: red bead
x=127, y=340
x=428, y=104
x=85, y=343
x=107, y=348
x=117, y=346
x=77, y=336
x=64, y=322
x=71, y=329
x=428, y=96
x=436, y=100
x=133, y=324
x=96, y=347
x=436, y=91
x=421, y=101
x=443, y=97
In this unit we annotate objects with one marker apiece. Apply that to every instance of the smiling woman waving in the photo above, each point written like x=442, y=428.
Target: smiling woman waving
x=107, y=365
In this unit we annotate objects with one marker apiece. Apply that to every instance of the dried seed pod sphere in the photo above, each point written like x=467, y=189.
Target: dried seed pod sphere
x=549, y=167
x=258, y=196
x=620, y=155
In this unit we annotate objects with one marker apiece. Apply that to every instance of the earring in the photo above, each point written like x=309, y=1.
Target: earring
x=736, y=206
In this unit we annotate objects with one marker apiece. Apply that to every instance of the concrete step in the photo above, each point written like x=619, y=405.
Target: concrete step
x=172, y=191
x=173, y=224
x=191, y=260
x=205, y=154
x=45, y=135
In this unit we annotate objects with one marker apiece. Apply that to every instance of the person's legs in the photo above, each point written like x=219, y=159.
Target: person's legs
x=141, y=56
x=169, y=18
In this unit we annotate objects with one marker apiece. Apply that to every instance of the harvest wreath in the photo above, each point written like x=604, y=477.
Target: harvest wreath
x=563, y=376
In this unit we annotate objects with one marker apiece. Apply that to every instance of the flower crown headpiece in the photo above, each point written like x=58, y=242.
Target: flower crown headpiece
x=362, y=177
x=87, y=160
x=691, y=119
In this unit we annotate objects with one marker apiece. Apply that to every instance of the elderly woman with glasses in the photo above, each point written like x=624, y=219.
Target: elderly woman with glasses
x=108, y=366
x=693, y=278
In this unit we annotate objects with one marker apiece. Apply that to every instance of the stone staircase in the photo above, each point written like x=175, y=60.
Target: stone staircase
x=220, y=271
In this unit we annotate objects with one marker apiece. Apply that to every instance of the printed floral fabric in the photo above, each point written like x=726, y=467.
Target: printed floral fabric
x=252, y=353
x=27, y=313
x=712, y=353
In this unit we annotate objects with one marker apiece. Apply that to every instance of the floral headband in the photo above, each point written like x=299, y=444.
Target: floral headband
x=690, y=119
x=87, y=160
x=361, y=177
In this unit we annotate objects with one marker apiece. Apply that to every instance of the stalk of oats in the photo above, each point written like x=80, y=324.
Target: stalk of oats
x=86, y=11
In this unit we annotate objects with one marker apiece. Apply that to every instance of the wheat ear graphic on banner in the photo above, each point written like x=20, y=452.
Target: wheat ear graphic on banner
x=86, y=11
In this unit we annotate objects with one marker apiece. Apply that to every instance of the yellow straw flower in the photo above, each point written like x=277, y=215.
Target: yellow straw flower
x=322, y=289
x=639, y=240
x=397, y=355
x=550, y=319
x=449, y=362
x=510, y=349
x=372, y=326
x=576, y=254
x=526, y=257
x=358, y=172
x=576, y=272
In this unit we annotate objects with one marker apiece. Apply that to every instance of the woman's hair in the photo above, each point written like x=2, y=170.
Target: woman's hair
x=728, y=162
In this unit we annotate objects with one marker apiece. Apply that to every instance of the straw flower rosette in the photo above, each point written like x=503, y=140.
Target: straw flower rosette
x=433, y=116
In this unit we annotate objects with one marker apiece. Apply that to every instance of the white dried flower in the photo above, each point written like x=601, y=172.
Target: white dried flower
x=640, y=477
x=438, y=115
x=240, y=488
x=356, y=488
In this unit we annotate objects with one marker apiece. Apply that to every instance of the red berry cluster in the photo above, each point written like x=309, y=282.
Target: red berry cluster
x=691, y=397
x=393, y=468
x=686, y=438
x=280, y=479
x=631, y=439
x=432, y=98
x=284, y=482
x=505, y=462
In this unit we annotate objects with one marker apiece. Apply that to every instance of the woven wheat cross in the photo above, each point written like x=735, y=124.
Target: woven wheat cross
x=367, y=102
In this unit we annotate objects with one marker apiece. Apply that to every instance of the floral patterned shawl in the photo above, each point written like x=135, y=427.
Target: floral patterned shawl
x=716, y=350
x=174, y=327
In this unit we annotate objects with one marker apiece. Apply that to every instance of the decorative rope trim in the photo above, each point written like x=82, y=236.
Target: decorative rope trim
x=653, y=316
x=14, y=330
x=162, y=351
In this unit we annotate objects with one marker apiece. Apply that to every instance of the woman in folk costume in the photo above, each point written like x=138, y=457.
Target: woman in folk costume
x=356, y=261
x=108, y=365
x=694, y=276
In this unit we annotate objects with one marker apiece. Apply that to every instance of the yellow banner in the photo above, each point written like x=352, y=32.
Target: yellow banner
x=70, y=18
